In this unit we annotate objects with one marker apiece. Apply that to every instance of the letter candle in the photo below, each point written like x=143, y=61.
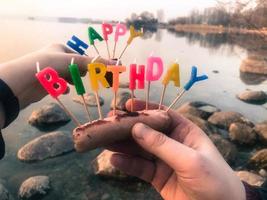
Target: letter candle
x=136, y=76
x=54, y=85
x=116, y=70
x=133, y=34
x=78, y=83
x=96, y=77
x=151, y=74
x=107, y=29
x=173, y=74
x=78, y=45
x=121, y=29
x=93, y=35
x=193, y=79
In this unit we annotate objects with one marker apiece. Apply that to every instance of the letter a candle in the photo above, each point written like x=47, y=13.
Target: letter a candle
x=55, y=86
x=173, y=74
x=93, y=35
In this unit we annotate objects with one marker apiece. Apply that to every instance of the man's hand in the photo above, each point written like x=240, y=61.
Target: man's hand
x=183, y=165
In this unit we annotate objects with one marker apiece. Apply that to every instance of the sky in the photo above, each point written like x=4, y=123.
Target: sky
x=101, y=9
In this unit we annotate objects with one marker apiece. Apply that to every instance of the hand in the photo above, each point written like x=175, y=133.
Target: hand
x=19, y=74
x=186, y=164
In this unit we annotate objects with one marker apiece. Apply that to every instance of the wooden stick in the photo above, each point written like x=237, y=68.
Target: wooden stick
x=114, y=49
x=86, y=109
x=98, y=106
x=162, y=96
x=115, y=102
x=147, y=94
x=123, y=50
x=68, y=113
x=107, y=49
x=176, y=99
x=132, y=98
x=96, y=50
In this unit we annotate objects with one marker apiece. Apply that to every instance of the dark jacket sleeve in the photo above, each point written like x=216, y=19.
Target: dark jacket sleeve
x=2, y=146
x=256, y=193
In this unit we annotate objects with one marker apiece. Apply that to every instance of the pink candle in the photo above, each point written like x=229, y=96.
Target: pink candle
x=116, y=70
x=121, y=30
x=137, y=76
x=107, y=29
x=51, y=81
x=154, y=68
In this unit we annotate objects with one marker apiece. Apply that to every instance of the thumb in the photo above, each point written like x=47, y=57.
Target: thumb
x=172, y=152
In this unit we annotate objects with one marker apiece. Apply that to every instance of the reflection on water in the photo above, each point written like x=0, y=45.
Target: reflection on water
x=71, y=174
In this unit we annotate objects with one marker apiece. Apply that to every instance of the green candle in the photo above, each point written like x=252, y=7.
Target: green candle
x=93, y=35
x=76, y=78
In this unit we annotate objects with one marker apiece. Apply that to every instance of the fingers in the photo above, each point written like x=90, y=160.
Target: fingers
x=163, y=147
x=139, y=105
x=134, y=166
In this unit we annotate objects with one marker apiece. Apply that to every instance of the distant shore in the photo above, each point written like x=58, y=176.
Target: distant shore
x=205, y=29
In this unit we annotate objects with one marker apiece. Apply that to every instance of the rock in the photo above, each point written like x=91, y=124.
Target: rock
x=261, y=130
x=226, y=148
x=122, y=98
x=4, y=194
x=48, y=114
x=254, y=97
x=259, y=159
x=124, y=85
x=204, y=125
x=250, y=178
x=198, y=109
x=46, y=146
x=34, y=187
x=225, y=119
x=254, y=66
x=105, y=196
x=90, y=100
x=242, y=134
x=102, y=166
x=263, y=173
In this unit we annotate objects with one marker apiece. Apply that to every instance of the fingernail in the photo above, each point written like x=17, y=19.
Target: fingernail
x=139, y=130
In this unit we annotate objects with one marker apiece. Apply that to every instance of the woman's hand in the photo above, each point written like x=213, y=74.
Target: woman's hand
x=19, y=74
x=183, y=165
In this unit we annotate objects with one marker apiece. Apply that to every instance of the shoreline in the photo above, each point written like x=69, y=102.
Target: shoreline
x=206, y=29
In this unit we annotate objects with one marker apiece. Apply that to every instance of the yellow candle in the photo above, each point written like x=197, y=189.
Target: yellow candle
x=97, y=73
x=133, y=34
x=173, y=74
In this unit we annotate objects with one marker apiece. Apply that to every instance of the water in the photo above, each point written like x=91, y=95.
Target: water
x=71, y=174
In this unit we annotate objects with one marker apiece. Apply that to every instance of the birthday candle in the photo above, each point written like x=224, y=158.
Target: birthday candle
x=116, y=70
x=52, y=83
x=137, y=76
x=76, y=78
x=93, y=35
x=99, y=76
x=120, y=31
x=133, y=34
x=152, y=74
x=55, y=86
x=173, y=74
x=77, y=81
x=193, y=79
x=107, y=29
x=78, y=45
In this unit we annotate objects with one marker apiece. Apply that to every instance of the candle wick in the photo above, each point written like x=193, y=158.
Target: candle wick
x=176, y=60
x=151, y=54
x=95, y=58
x=118, y=61
x=37, y=67
x=72, y=61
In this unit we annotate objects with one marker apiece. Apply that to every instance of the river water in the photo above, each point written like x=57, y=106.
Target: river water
x=71, y=175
